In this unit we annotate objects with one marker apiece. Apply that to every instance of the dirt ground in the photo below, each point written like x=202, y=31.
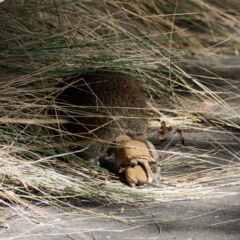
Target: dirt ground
x=215, y=218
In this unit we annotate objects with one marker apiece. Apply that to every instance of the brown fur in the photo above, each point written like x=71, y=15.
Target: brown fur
x=131, y=152
x=137, y=175
x=98, y=99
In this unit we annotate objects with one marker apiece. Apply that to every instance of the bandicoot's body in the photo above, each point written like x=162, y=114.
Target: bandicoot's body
x=102, y=93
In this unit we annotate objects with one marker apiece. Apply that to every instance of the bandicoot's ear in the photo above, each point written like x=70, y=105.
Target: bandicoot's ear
x=121, y=138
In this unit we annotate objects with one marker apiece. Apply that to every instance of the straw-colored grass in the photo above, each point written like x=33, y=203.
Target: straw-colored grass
x=174, y=48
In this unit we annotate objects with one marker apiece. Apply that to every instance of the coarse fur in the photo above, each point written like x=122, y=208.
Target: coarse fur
x=100, y=105
x=129, y=152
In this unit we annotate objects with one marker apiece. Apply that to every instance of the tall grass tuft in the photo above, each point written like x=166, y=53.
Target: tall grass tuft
x=176, y=49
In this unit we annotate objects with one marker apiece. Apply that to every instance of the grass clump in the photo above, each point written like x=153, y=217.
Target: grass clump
x=176, y=50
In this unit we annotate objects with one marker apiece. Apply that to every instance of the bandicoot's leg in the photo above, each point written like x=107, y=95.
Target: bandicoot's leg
x=145, y=163
x=158, y=172
x=157, y=168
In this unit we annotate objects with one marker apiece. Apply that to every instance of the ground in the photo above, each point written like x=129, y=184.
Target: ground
x=215, y=218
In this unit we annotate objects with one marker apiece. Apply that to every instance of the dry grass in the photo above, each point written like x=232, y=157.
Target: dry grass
x=175, y=49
